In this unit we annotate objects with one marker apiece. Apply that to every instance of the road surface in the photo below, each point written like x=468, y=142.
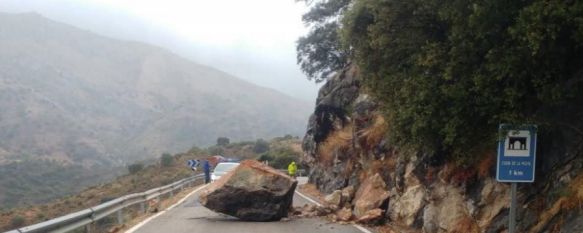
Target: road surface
x=190, y=217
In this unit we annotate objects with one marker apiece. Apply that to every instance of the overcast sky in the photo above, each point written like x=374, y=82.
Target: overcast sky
x=251, y=39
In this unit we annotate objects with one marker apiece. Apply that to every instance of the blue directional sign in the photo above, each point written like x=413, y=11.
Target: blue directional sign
x=193, y=163
x=516, y=153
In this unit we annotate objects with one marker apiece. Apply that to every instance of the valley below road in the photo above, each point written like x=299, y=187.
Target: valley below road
x=190, y=216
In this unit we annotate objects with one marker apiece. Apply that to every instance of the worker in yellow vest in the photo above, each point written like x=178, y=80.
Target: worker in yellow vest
x=292, y=168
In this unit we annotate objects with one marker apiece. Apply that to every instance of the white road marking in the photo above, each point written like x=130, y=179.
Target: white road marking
x=136, y=227
x=307, y=198
x=361, y=228
x=318, y=204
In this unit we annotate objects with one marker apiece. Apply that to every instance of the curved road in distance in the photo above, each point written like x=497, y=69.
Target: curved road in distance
x=191, y=217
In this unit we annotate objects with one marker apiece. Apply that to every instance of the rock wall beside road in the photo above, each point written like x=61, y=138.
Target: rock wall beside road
x=346, y=145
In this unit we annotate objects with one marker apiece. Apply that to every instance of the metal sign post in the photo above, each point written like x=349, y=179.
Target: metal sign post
x=512, y=217
x=516, y=161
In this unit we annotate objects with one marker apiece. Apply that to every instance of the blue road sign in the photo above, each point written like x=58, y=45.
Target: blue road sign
x=193, y=163
x=516, y=153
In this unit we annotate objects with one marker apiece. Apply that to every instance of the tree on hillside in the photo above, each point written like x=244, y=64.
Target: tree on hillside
x=448, y=72
x=320, y=53
x=261, y=146
x=265, y=157
x=223, y=141
x=166, y=160
x=135, y=168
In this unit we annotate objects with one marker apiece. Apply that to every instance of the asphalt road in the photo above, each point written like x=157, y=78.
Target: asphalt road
x=190, y=217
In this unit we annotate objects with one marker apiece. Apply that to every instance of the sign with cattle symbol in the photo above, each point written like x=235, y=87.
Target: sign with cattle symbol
x=516, y=153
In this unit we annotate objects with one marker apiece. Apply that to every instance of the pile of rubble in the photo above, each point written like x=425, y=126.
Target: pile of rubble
x=351, y=206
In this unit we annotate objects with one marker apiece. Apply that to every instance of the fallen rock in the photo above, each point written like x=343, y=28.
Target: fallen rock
x=323, y=210
x=345, y=214
x=153, y=205
x=430, y=215
x=296, y=211
x=332, y=218
x=371, y=215
x=348, y=194
x=251, y=192
x=335, y=198
x=406, y=207
x=370, y=195
x=309, y=208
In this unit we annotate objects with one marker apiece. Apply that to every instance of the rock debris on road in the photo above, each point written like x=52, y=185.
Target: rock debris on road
x=191, y=217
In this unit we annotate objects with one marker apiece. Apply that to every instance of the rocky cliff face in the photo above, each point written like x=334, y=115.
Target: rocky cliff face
x=346, y=146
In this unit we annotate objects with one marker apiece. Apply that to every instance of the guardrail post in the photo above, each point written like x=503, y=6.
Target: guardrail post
x=143, y=207
x=89, y=228
x=120, y=216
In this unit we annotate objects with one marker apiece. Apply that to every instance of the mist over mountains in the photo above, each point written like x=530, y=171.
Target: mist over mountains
x=73, y=96
x=249, y=47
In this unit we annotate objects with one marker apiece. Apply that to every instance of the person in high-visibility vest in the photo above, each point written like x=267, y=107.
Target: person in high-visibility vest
x=292, y=168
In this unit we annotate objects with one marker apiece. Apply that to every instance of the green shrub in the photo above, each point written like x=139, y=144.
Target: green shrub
x=265, y=157
x=280, y=158
x=449, y=72
x=166, y=160
x=261, y=146
x=135, y=168
x=282, y=161
x=17, y=221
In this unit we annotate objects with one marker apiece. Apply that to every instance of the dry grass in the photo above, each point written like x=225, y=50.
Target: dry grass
x=150, y=177
x=430, y=174
x=546, y=216
x=466, y=225
x=484, y=166
x=380, y=166
x=453, y=173
x=373, y=135
x=571, y=200
x=340, y=140
x=462, y=175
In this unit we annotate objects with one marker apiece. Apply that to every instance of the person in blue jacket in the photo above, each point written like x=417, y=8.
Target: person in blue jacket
x=207, y=171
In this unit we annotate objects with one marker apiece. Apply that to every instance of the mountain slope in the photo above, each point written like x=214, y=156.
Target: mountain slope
x=80, y=98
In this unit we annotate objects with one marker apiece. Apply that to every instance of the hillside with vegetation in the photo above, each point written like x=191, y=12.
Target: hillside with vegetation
x=76, y=107
x=142, y=176
x=77, y=97
x=415, y=92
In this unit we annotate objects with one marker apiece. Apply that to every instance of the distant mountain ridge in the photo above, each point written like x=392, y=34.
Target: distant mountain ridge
x=70, y=95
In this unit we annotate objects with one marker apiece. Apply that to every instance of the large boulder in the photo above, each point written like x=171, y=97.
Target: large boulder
x=406, y=208
x=370, y=195
x=251, y=192
x=335, y=198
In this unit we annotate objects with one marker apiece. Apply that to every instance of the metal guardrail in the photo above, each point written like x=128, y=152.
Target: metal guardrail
x=300, y=172
x=87, y=216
